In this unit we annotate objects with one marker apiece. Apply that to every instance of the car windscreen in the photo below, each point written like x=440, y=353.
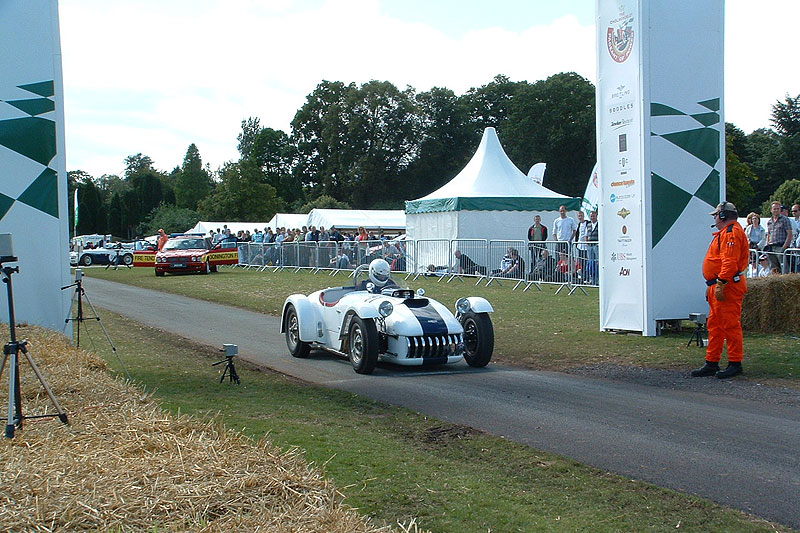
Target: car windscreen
x=184, y=244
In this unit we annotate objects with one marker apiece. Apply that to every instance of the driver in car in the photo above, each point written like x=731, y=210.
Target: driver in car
x=379, y=276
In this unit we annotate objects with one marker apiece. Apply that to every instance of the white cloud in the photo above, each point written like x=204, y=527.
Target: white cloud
x=153, y=77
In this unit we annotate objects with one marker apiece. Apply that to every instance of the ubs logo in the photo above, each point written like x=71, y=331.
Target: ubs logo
x=623, y=272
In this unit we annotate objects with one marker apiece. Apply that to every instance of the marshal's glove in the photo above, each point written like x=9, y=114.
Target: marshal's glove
x=719, y=292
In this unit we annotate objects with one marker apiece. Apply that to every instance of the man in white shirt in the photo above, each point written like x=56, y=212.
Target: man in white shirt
x=564, y=227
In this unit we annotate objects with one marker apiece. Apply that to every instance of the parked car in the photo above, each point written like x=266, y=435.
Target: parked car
x=117, y=252
x=375, y=319
x=191, y=253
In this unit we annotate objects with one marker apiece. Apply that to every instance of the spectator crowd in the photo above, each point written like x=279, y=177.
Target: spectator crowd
x=565, y=252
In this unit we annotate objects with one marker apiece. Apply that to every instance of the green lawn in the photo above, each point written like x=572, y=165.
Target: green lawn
x=539, y=330
x=391, y=463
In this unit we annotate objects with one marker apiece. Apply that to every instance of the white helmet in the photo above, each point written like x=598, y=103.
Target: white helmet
x=379, y=272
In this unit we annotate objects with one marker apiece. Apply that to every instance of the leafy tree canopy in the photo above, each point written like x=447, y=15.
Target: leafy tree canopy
x=323, y=202
x=171, y=218
x=242, y=195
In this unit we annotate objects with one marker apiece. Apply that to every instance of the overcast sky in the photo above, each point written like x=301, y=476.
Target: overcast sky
x=154, y=76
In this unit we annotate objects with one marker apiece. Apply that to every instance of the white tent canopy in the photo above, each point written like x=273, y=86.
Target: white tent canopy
x=489, y=199
x=235, y=227
x=392, y=221
x=287, y=220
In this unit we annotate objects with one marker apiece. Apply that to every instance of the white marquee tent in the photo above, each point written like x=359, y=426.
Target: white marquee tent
x=391, y=221
x=287, y=220
x=235, y=227
x=489, y=199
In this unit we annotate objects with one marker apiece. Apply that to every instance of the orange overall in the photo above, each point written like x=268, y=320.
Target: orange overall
x=726, y=260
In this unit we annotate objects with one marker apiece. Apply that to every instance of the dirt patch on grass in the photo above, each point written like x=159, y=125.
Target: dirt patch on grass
x=440, y=436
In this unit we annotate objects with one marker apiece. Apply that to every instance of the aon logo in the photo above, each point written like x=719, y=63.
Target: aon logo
x=624, y=271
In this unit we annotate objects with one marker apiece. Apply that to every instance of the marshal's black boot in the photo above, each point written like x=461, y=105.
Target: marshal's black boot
x=709, y=369
x=732, y=370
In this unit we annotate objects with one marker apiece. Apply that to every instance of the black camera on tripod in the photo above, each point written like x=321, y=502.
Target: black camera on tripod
x=13, y=348
x=231, y=351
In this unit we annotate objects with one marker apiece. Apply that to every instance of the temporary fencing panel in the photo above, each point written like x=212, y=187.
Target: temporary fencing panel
x=433, y=256
x=501, y=257
x=474, y=256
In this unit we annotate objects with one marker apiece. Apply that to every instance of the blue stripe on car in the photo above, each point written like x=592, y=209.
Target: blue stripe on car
x=431, y=321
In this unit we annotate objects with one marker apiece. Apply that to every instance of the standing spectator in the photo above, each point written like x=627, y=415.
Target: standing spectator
x=564, y=227
x=723, y=269
x=756, y=234
x=580, y=236
x=779, y=237
x=162, y=239
x=217, y=236
x=362, y=234
x=592, y=237
x=536, y=234
x=795, y=219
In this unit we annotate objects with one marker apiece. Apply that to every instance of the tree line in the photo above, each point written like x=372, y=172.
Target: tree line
x=373, y=146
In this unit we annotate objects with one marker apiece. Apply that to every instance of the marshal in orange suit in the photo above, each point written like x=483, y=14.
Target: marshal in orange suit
x=724, y=270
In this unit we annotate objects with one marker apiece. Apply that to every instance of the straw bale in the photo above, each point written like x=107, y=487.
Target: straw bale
x=125, y=464
x=772, y=304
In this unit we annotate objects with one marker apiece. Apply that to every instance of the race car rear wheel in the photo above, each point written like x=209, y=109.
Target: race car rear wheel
x=127, y=259
x=363, y=345
x=86, y=260
x=478, y=338
x=296, y=347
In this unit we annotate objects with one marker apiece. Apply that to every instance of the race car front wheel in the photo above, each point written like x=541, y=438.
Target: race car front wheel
x=296, y=347
x=206, y=267
x=86, y=260
x=363, y=345
x=127, y=259
x=478, y=338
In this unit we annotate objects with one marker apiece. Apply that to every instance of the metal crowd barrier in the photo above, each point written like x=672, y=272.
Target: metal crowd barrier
x=785, y=262
x=529, y=264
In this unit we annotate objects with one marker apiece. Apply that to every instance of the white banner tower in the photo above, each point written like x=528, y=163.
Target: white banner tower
x=33, y=179
x=661, y=151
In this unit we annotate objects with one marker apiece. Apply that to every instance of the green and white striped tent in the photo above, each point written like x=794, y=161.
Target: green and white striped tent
x=489, y=199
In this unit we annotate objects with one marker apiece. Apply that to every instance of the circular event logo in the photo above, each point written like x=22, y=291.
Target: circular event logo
x=613, y=198
x=620, y=41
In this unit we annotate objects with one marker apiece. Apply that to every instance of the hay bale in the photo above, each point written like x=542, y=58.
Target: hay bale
x=125, y=464
x=772, y=304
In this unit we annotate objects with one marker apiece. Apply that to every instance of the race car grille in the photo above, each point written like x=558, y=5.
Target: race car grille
x=427, y=346
x=177, y=259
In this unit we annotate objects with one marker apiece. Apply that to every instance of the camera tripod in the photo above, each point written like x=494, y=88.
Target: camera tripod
x=79, y=318
x=697, y=334
x=11, y=351
x=230, y=370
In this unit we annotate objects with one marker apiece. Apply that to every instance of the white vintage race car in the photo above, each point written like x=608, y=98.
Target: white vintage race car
x=375, y=319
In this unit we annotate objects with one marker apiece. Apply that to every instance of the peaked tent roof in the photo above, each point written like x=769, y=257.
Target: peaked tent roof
x=491, y=182
x=388, y=219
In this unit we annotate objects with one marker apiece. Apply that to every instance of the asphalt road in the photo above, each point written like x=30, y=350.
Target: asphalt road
x=738, y=452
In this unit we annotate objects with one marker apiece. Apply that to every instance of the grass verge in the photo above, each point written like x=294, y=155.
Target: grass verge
x=393, y=464
x=538, y=330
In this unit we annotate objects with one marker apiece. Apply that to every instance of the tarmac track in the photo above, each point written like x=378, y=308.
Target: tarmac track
x=739, y=452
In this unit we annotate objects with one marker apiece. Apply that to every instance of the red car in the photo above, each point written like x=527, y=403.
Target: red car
x=187, y=253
